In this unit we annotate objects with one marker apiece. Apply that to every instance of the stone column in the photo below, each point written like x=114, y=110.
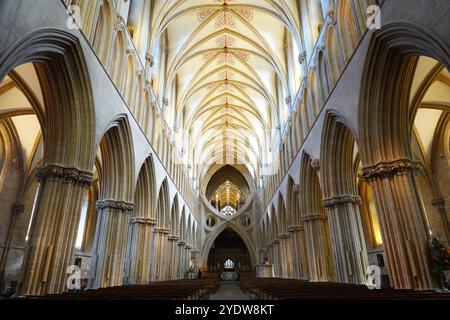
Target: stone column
x=319, y=261
x=295, y=252
x=54, y=229
x=108, y=259
x=402, y=223
x=160, y=253
x=181, y=263
x=194, y=253
x=187, y=253
x=140, y=250
x=347, y=238
x=285, y=256
x=276, y=257
x=299, y=231
x=173, y=254
x=16, y=210
x=439, y=203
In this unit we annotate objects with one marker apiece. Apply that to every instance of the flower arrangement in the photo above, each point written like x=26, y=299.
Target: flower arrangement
x=440, y=256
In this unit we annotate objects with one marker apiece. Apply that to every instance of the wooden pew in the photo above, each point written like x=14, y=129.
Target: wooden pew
x=286, y=289
x=192, y=289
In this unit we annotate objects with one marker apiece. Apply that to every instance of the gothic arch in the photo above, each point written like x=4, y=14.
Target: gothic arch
x=384, y=100
x=341, y=200
x=142, y=223
x=315, y=222
x=103, y=30
x=244, y=235
x=61, y=67
x=386, y=120
x=63, y=76
x=116, y=149
x=163, y=206
x=115, y=204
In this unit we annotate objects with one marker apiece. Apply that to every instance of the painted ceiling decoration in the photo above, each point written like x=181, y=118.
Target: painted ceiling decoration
x=226, y=74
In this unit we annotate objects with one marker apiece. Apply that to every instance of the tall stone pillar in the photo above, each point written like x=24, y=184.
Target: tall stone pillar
x=299, y=232
x=295, y=252
x=285, y=255
x=108, y=259
x=347, y=238
x=173, y=254
x=319, y=254
x=276, y=257
x=299, y=253
x=181, y=264
x=439, y=203
x=187, y=262
x=16, y=210
x=402, y=222
x=141, y=236
x=54, y=230
x=160, y=253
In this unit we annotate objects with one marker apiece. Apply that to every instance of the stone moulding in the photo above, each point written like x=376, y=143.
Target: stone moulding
x=313, y=217
x=341, y=200
x=115, y=205
x=141, y=220
x=162, y=230
x=174, y=238
x=389, y=169
x=67, y=175
x=295, y=228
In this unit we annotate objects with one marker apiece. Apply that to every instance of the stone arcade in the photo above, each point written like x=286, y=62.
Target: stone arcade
x=148, y=141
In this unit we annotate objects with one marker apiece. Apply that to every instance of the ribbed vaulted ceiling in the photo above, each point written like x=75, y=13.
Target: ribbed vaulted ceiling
x=226, y=77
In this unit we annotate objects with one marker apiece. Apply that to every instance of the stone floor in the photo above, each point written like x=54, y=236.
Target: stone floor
x=229, y=291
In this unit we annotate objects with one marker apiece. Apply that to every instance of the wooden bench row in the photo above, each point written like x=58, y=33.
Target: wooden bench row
x=288, y=289
x=193, y=289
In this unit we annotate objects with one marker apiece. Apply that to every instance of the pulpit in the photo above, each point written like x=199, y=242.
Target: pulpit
x=265, y=270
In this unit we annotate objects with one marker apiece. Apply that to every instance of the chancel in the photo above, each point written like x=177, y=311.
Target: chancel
x=224, y=149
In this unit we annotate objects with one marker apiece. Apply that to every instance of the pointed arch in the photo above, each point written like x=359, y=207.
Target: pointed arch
x=163, y=206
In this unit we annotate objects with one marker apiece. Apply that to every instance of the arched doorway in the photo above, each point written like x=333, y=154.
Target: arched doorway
x=229, y=256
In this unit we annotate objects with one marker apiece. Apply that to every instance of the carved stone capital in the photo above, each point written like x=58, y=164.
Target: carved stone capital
x=332, y=16
x=174, y=237
x=181, y=243
x=313, y=217
x=165, y=101
x=161, y=231
x=188, y=247
x=340, y=200
x=296, y=188
x=66, y=175
x=141, y=220
x=150, y=59
x=389, y=169
x=302, y=57
x=438, y=202
x=275, y=241
x=284, y=236
x=288, y=100
x=114, y=205
x=315, y=164
x=293, y=229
